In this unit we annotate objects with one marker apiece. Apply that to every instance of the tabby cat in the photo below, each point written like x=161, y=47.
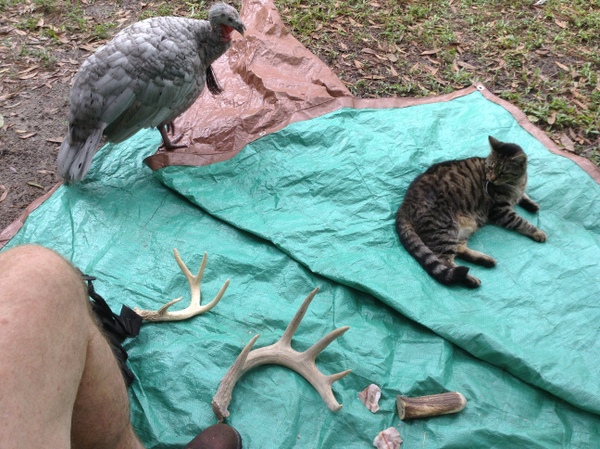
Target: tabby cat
x=452, y=199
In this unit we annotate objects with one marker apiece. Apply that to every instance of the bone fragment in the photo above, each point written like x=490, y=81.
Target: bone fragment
x=370, y=397
x=388, y=439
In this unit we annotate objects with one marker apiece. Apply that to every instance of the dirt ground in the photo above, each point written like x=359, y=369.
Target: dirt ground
x=34, y=104
x=36, y=73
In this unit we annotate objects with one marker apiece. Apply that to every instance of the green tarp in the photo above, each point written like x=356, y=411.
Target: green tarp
x=325, y=191
x=312, y=206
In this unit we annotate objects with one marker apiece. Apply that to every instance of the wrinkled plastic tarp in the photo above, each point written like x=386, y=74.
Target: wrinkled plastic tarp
x=325, y=191
x=121, y=226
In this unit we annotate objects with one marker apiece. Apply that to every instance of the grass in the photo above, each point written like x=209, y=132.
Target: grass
x=545, y=60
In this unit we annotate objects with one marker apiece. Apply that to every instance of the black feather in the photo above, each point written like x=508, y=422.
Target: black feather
x=211, y=81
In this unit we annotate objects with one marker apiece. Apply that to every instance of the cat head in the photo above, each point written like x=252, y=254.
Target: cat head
x=506, y=164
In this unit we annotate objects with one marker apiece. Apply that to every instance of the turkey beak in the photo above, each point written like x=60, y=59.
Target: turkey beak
x=240, y=28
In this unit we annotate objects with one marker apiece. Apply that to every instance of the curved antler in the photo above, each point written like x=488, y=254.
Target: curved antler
x=194, y=308
x=281, y=353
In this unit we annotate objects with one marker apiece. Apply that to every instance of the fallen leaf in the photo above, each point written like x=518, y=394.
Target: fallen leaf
x=87, y=47
x=4, y=193
x=465, y=65
x=432, y=70
x=580, y=104
x=567, y=143
x=55, y=139
x=35, y=184
x=369, y=51
x=1, y=120
x=30, y=69
x=27, y=136
x=26, y=77
x=501, y=63
x=572, y=134
x=552, y=119
x=562, y=66
x=431, y=52
x=433, y=61
x=393, y=71
x=358, y=64
x=561, y=23
x=392, y=57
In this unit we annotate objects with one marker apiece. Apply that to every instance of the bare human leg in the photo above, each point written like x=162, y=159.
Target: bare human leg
x=61, y=385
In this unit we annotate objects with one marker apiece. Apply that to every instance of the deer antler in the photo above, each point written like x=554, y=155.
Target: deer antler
x=281, y=353
x=194, y=308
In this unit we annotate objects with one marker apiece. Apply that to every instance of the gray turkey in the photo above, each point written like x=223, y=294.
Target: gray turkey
x=151, y=72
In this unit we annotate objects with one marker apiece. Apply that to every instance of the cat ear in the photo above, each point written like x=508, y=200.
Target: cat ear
x=494, y=143
x=521, y=157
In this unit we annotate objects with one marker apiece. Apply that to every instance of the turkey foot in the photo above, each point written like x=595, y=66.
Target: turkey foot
x=169, y=128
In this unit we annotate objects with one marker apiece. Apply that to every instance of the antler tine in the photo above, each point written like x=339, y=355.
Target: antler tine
x=194, y=308
x=281, y=353
x=312, y=352
x=286, y=338
x=194, y=281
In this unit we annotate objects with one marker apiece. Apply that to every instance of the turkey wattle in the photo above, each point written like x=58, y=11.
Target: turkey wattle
x=151, y=72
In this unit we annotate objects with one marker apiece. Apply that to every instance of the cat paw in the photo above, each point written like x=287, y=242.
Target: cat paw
x=529, y=205
x=539, y=236
x=471, y=281
x=488, y=262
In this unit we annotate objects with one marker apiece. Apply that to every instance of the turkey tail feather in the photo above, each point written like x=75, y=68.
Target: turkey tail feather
x=75, y=157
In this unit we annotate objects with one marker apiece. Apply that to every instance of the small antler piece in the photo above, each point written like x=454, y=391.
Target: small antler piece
x=194, y=308
x=281, y=353
x=426, y=406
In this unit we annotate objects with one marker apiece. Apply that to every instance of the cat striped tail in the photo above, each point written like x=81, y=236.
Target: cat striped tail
x=427, y=258
x=76, y=154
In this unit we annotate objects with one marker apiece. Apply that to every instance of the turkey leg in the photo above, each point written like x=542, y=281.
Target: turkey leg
x=165, y=129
